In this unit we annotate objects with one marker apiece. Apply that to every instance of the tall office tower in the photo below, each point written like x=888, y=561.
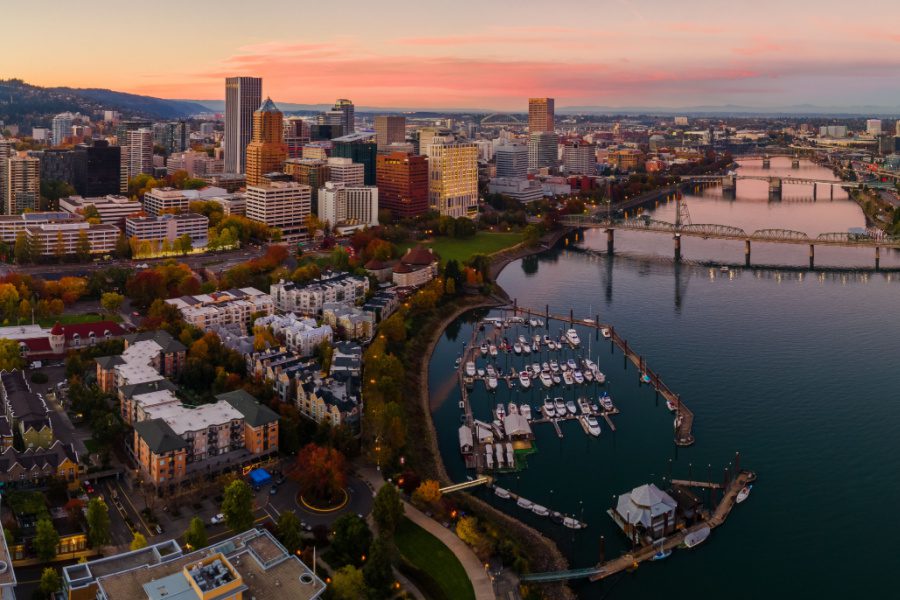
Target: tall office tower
x=23, y=184
x=453, y=177
x=137, y=153
x=342, y=205
x=512, y=161
x=389, y=129
x=243, y=95
x=309, y=171
x=360, y=148
x=543, y=150
x=7, y=150
x=62, y=127
x=266, y=152
x=296, y=134
x=281, y=205
x=344, y=170
x=123, y=127
x=174, y=137
x=403, y=184
x=96, y=169
x=56, y=164
x=345, y=107
x=580, y=157
x=427, y=135
x=540, y=115
x=873, y=126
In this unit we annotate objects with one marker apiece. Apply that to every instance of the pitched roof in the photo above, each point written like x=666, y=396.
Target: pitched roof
x=160, y=437
x=136, y=389
x=255, y=414
x=39, y=458
x=268, y=106
x=98, y=328
x=57, y=329
x=161, y=337
x=376, y=265
x=418, y=255
x=108, y=362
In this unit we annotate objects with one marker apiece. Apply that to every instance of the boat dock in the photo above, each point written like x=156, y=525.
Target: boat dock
x=698, y=484
x=684, y=417
x=526, y=504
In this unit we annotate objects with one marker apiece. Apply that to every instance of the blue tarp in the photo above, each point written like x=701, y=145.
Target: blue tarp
x=260, y=477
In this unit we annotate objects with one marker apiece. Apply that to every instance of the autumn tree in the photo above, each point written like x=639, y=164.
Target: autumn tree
x=138, y=541
x=348, y=584
x=10, y=356
x=427, y=494
x=195, y=536
x=321, y=473
x=111, y=302
x=468, y=531
x=238, y=506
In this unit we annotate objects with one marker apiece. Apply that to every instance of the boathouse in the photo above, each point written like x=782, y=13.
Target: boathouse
x=647, y=509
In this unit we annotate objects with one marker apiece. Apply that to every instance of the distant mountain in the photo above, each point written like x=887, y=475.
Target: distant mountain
x=29, y=105
x=735, y=110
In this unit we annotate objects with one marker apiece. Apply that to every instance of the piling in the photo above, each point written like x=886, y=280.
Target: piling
x=812, y=256
x=747, y=253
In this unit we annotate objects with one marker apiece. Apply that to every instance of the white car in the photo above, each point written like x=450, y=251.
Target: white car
x=219, y=518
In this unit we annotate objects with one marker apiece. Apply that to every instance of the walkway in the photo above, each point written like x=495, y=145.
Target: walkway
x=481, y=583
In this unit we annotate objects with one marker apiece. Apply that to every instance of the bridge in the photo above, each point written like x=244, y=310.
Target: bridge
x=466, y=485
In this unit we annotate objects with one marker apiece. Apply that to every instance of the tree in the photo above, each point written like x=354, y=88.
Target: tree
x=348, y=584
x=351, y=541
x=123, y=248
x=98, y=522
x=468, y=531
x=377, y=573
x=195, y=536
x=184, y=244
x=45, y=540
x=427, y=494
x=321, y=473
x=10, y=357
x=532, y=235
x=238, y=506
x=387, y=510
x=50, y=581
x=22, y=250
x=139, y=541
x=289, y=532
x=83, y=247
x=111, y=302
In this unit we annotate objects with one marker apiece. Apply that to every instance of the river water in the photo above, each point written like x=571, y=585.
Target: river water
x=794, y=369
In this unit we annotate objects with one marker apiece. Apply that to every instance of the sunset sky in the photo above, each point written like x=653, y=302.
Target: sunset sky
x=468, y=53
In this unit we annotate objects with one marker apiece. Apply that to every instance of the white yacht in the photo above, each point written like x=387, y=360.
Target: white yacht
x=480, y=372
x=492, y=350
x=549, y=408
x=524, y=380
x=599, y=377
x=571, y=364
x=526, y=348
x=560, y=407
x=584, y=405
x=588, y=375
x=546, y=379
x=498, y=450
x=501, y=493
x=593, y=425
x=535, y=368
x=547, y=341
x=525, y=503
x=525, y=411
x=522, y=340
x=605, y=401
x=567, y=377
x=589, y=365
x=517, y=348
x=470, y=368
x=541, y=511
x=554, y=366
x=491, y=383
x=572, y=338
x=512, y=408
x=579, y=378
x=605, y=332
x=571, y=408
x=484, y=349
x=573, y=523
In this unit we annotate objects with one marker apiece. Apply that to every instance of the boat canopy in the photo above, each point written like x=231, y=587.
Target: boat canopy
x=465, y=438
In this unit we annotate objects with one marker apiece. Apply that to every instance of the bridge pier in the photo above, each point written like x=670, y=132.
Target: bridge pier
x=795, y=163
x=677, y=247
x=747, y=253
x=729, y=186
x=766, y=163
x=775, y=185
x=610, y=241
x=812, y=256
x=877, y=258
x=831, y=187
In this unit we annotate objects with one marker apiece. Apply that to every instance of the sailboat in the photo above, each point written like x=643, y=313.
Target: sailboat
x=743, y=494
x=661, y=553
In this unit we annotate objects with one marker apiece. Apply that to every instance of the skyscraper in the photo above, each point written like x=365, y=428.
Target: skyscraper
x=543, y=150
x=243, y=95
x=453, y=177
x=512, y=160
x=349, y=119
x=266, y=152
x=360, y=148
x=403, y=184
x=389, y=129
x=174, y=137
x=137, y=153
x=62, y=127
x=580, y=157
x=873, y=126
x=23, y=184
x=540, y=115
x=96, y=169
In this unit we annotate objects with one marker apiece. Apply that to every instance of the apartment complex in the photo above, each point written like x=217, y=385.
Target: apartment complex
x=309, y=299
x=347, y=208
x=12, y=225
x=137, y=152
x=22, y=182
x=344, y=170
x=169, y=227
x=266, y=151
x=112, y=208
x=580, y=158
x=282, y=205
x=243, y=95
x=196, y=164
x=235, y=306
x=300, y=334
x=402, y=181
x=59, y=239
x=163, y=200
x=452, y=177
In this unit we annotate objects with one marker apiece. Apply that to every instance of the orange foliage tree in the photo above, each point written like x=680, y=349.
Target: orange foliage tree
x=321, y=473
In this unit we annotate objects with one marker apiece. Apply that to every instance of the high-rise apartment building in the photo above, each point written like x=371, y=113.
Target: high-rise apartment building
x=453, y=177
x=360, y=148
x=266, y=152
x=137, y=153
x=243, y=95
x=580, y=157
x=7, y=150
x=281, y=205
x=347, y=110
x=96, y=169
x=540, y=115
x=342, y=206
x=403, y=184
x=511, y=160
x=62, y=127
x=389, y=129
x=23, y=184
x=543, y=150
x=174, y=137
x=873, y=127
x=123, y=127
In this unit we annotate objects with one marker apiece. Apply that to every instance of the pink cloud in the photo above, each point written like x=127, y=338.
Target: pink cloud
x=759, y=45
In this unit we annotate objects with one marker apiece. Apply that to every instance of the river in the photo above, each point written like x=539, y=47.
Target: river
x=793, y=369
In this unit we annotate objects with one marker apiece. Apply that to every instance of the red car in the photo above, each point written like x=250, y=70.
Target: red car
x=88, y=487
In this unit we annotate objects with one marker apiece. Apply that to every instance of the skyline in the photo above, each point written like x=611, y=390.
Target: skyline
x=404, y=55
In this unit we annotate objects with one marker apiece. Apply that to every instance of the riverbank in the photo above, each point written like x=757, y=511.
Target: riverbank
x=543, y=553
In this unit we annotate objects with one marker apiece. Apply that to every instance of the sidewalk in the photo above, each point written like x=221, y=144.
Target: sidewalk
x=481, y=582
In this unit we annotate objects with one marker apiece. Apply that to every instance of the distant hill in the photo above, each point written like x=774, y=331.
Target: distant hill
x=29, y=105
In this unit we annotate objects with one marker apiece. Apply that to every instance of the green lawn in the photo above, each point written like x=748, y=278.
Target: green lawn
x=435, y=568
x=462, y=249
x=75, y=319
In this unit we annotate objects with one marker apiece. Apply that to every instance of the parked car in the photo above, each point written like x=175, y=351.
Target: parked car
x=219, y=518
x=88, y=487
x=274, y=490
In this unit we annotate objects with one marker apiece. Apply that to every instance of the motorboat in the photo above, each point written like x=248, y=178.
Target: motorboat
x=556, y=517
x=599, y=377
x=480, y=372
x=645, y=378
x=572, y=338
x=554, y=366
x=573, y=523
x=501, y=411
x=524, y=503
x=595, y=408
x=492, y=350
x=491, y=372
x=541, y=511
x=605, y=401
x=457, y=361
x=522, y=340
x=589, y=365
x=571, y=364
x=549, y=408
x=695, y=538
x=484, y=349
x=501, y=493
x=526, y=348
x=671, y=406
x=525, y=411
x=517, y=348
x=605, y=332
x=532, y=322
x=510, y=455
x=567, y=377
x=546, y=379
x=545, y=366
x=743, y=494
x=588, y=375
x=512, y=408
x=551, y=345
x=498, y=450
x=556, y=379
x=524, y=380
x=584, y=405
x=491, y=383
x=593, y=425
x=661, y=554
x=470, y=369
x=560, y=407
x=489, y=456
x=570, y=406
x=547, y=340
x=579, y=378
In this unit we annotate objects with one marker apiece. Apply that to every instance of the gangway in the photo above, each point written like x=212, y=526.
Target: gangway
x=466, y=485
x=561, y=575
